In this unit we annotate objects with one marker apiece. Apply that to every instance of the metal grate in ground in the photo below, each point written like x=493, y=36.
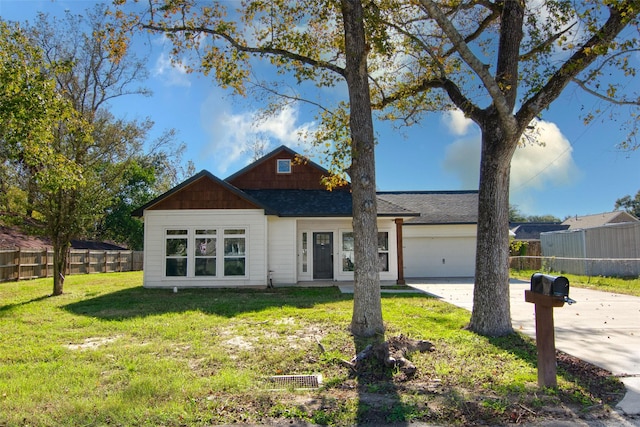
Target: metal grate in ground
x=283, y=382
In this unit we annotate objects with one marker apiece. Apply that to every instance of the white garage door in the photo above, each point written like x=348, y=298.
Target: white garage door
x=439, y=256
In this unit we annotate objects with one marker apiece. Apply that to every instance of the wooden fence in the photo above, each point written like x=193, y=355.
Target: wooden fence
x=529, y=257
x=19, y=264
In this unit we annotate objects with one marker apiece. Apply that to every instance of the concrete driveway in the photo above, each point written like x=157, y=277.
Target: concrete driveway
x=601, y=328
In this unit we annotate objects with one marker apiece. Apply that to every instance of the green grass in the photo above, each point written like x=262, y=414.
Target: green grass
x=629, y=286
x=108, y=352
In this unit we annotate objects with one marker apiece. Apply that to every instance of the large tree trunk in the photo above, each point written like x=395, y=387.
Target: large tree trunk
x=491, y=313
x=367, y=309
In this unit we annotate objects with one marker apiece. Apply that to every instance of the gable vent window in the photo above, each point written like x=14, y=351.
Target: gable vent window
x=283, y=166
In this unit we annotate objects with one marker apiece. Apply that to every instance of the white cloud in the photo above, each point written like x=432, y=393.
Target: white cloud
x=462, y=158
x=172, y=74
x=231, y=134
x=549, y=162
x=533, y=167
x=456, y=122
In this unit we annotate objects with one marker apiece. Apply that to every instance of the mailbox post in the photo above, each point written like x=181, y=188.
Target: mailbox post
x=547, y=292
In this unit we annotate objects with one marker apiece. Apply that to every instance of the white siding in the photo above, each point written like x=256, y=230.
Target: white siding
x=282, y=250
x=157, y=222
x=439, y=250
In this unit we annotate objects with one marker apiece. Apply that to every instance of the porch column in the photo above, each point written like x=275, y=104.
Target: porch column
x=399, y=249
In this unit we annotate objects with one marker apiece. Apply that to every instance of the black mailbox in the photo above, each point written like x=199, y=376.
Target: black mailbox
x=556, y=286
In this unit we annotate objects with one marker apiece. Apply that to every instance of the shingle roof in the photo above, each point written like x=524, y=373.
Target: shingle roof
x=436, y=207
x=304, y=202
x=319, y=203
x=532, y=230
x=597, y=220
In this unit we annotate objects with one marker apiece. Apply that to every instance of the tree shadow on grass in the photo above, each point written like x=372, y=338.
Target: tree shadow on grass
x=9, y=307
x=140, y=302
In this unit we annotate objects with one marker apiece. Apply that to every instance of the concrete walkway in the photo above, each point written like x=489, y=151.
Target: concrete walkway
x=601, y=328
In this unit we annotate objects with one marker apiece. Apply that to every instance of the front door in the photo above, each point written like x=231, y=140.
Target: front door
x=323, y=256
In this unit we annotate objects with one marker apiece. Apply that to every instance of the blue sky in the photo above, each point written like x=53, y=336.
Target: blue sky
x=578, y=171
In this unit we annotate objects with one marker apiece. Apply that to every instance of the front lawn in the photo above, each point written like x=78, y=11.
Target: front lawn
x=109, y=352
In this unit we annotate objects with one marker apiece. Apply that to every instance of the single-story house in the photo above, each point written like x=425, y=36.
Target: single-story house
x=274, y=222
x=532, y=230
x=599, y=220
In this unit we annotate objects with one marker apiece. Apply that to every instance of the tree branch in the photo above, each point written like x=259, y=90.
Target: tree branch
x=583, y=86
x=455, y=94
x=578, y=62
x=544, y=45
x=495, y=14
x=250, y=49
x=482, y=70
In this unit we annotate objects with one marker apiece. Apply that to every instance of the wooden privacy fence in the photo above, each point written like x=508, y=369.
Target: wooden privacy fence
x=529, y=257
x=19, y=264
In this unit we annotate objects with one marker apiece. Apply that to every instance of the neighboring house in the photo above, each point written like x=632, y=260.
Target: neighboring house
x=274, y=222
x=607, y=250
x=12, y=238
x=532, y=230
x=597, y=220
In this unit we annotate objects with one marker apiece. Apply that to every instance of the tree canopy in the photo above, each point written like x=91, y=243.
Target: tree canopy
x=64, y=156
x=629, y=204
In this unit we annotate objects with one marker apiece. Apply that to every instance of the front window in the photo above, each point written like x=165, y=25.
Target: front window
x=348, y=259
x=383, y=251
x=347, y=251
x=176, y=253
x=234, y=252
x=305, y=261
x=205, y=252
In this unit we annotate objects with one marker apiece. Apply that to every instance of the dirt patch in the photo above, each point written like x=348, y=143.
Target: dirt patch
x=92, y=343
x=383, y=399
